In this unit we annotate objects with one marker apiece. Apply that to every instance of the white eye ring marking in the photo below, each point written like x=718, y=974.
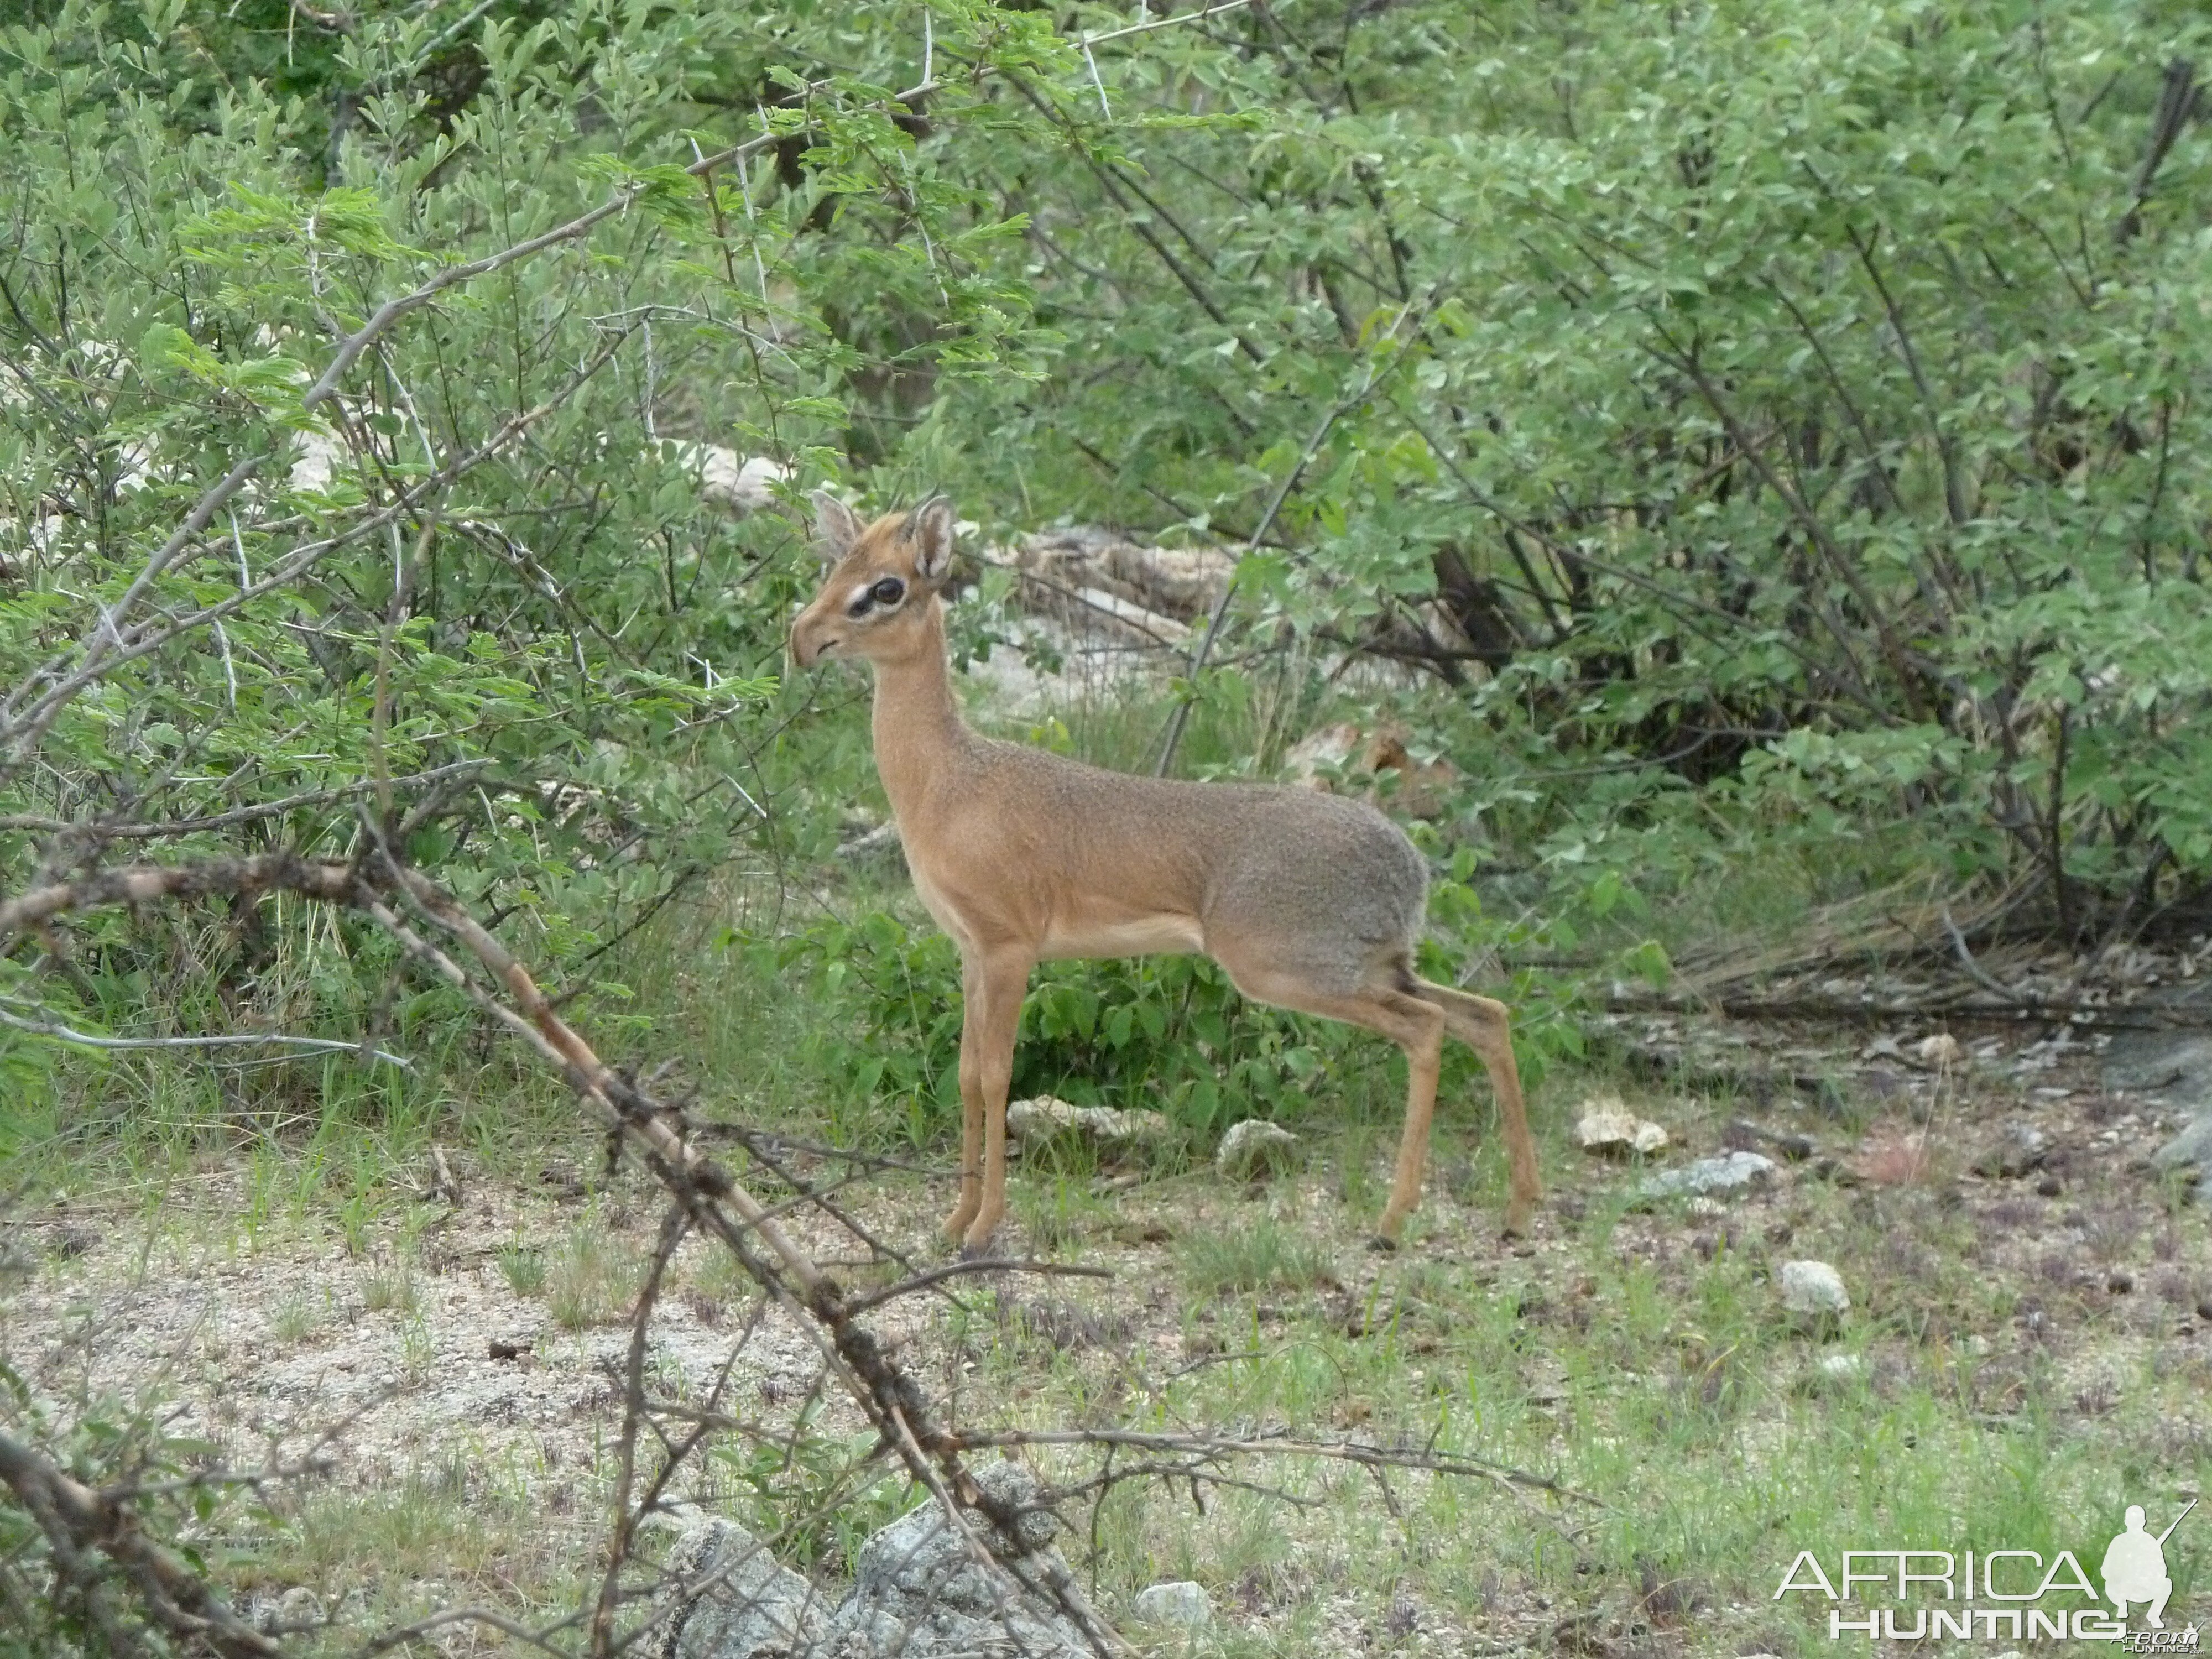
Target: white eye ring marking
x=866, y=597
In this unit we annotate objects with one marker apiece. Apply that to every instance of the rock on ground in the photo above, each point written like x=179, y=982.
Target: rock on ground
x=1180, y=1602
x=2191, y=1149
x=1253, y=1149
x=2173, y=1068
x=918, y=1592
x=1730, y=1172
x=1940, y=1052
x=2020, y=1148
x=756, y=1608
x=1033, y=1122
x=1813, y=1287
x=738, y=485
x=1609, y=1129
x=876, y=848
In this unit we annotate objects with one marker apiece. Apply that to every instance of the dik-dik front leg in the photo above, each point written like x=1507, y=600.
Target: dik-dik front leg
x=993, y=983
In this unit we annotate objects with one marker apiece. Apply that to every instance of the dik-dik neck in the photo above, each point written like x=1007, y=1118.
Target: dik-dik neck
x=917, y=721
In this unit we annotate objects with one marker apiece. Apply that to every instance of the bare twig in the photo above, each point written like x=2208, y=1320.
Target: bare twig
x=55, y=1030
x=922, y=1281
x=76, y=1519
x=1974, y=969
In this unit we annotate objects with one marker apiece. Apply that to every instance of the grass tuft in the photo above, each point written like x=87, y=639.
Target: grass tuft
x=389, y=1288
x=1263, y=1257
x=592, y=1280
x=523, y=1268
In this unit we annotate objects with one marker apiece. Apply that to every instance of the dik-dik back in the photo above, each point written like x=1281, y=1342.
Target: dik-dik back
x=1310, y=901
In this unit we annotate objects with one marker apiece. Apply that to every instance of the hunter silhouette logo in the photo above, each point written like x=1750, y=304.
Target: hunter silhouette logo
x=2135, y=1567
x=2002, y=1595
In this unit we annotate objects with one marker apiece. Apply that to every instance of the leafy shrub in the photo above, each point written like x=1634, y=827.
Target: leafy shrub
x=816, y=1493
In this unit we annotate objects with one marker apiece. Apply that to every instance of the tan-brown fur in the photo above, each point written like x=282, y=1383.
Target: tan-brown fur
x=1312, y=902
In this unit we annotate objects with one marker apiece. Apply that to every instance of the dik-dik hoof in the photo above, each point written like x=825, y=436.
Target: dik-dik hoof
x=1519, y=1212
x=1383, y=1244
x=977, y=1245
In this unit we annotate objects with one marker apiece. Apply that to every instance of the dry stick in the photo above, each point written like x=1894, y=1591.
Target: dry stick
x=695, y=1181
x=74, y=1569
x=403, y=1635
x=2082, y=1016
x=1220, y=612
x=61, y=1033
x=673, y=1229
x=877, y=1385
x=379, y=719
x=953, y=1270
x=151, y=830
x=75, y=1518
x=142, y=884
x=953, y=1518
x=1194, y=1472
x=752, y=1139
x=884, y=1392
x=1974, y=969
x=1342, y=1451
x=552, y=1037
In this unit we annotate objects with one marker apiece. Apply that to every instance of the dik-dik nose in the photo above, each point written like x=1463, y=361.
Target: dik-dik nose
x=809, y=642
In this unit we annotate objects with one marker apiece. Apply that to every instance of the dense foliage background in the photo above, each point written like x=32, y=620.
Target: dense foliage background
x=1772, y=438
x=1763, y=429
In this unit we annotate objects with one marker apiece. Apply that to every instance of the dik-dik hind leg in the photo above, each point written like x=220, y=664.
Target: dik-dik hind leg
x=1414, y=1024
x=992, y=984
x=1486, y=1027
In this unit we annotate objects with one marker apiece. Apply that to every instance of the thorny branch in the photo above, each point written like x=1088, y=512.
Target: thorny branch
x=81, y=1524
x=78, y=1520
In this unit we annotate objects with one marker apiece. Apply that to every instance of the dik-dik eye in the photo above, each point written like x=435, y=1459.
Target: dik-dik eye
x=887, y=592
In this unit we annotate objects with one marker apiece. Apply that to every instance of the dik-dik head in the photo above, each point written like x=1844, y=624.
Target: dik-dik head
x=880, y=584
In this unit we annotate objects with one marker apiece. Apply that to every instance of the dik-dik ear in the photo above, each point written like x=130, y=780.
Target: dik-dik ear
x=929, y=528
x=835, y=529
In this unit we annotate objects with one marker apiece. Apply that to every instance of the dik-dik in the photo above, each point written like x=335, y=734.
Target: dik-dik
x=1310, y=901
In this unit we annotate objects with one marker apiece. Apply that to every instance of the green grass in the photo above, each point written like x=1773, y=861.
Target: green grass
x=389, y=1288
x=592, y=1280
x=297, y=1318
x=1635, y=1357
x=523, y=1269
x=1261, y=1255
